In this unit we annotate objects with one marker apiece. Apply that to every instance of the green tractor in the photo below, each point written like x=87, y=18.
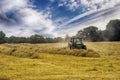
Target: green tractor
x=76, y=43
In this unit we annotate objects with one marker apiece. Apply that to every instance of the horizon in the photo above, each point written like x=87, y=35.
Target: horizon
x=55, y=18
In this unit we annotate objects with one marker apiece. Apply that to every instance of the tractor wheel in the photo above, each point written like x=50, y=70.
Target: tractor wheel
x=84, y=47
x=71, y=47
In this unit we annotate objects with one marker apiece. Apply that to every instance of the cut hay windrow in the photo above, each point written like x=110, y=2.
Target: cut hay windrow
x=75, y=52
x=34, y=51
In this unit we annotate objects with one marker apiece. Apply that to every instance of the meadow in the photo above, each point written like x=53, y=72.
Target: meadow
x=56, y=61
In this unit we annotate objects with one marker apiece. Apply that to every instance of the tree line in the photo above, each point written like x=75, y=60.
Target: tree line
x=91, y=33
x=32, y=39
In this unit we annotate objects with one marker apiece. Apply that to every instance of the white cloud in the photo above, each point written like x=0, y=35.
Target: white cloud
x=62, y=3
x=88, y=4
x=105, y=4
x=73, y=6
x=70, y=4
x=29, y=18
x=100, y=20
x=7, y=5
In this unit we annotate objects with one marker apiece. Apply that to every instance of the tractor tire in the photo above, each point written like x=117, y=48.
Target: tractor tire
x=71, y=47
x=84, y=47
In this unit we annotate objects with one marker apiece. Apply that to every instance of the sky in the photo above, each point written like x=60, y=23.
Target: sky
x=55, y=18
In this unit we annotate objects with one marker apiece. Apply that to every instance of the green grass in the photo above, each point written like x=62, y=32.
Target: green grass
x=59, y=67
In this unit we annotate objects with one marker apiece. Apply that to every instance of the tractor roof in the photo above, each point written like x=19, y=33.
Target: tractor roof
x=76, y=38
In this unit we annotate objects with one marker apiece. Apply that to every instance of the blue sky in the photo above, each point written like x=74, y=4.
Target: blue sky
x=53, y=18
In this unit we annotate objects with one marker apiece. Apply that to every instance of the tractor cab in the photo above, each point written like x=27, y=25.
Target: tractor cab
x=76, y=43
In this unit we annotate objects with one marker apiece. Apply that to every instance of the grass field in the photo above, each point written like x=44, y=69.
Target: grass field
x=37, y=62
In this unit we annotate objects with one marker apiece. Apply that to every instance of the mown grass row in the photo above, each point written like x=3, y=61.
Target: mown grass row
x=75, y=52
x=19, y=51
x=33, y=51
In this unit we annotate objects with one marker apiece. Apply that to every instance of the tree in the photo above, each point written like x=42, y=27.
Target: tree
x=50, y=40
x=81, y=34
x=2, y=37
x=11, y=39
x=113, y=30
x=37, y=39
x=90, y=34
x=58, y=39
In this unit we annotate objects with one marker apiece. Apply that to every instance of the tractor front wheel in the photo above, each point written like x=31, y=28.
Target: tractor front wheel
x=84, y=47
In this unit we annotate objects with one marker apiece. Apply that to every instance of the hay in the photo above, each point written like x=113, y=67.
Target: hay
x=33, y=51
x=75, y=52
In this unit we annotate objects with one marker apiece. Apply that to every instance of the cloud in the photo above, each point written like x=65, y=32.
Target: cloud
x=23, y=18
x=105, y=4
x=7, y=5
x=71, y=5
x=4, y=19
x=87, y=5
x=99, y=19
x=29, y=19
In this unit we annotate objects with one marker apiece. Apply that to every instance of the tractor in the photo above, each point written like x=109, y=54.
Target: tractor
x=76, y=43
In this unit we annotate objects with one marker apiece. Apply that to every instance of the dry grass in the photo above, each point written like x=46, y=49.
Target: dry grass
x=34, y=50
x=105, y=48
x=53, y=66
x=18, y=50
x=75, y=52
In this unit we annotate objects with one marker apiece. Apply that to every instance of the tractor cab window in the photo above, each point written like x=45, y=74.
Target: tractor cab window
x=78, y=41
